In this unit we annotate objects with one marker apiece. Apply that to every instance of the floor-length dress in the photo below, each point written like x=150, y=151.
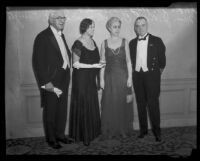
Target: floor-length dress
x=116, y=114
x=84, y=114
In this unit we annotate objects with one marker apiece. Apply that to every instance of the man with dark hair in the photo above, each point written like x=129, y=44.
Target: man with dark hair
x=51, y=64
x=148, y=59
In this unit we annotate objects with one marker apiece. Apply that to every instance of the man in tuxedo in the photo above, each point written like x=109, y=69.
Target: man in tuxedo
x=51, y=64
x=148, y=59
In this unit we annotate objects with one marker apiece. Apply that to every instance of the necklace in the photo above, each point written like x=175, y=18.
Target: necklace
x=88, y=43
x=115, y=53
x=117, y=50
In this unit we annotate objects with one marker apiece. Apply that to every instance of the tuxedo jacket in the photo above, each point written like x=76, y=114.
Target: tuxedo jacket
x=155, y=53
x=47, y=59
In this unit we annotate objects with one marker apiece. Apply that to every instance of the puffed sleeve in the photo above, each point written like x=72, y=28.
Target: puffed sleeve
x=76, y=50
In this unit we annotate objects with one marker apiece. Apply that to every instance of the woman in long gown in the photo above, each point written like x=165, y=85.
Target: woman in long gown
x=116, y=82
x=85, y=122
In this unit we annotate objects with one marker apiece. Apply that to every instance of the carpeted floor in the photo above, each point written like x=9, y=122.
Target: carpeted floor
x=176, y=142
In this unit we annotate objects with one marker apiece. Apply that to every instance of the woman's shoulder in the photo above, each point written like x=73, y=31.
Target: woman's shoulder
x=79, y=40
x=77, y=44
x=124, y=40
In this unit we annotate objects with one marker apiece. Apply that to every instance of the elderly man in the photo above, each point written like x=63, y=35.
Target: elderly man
x=51, y=64
x=148, y=59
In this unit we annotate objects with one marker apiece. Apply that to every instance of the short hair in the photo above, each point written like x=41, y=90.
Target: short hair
x=111, y=21
x=84, y=25
x=53, y=14
x=140, y=18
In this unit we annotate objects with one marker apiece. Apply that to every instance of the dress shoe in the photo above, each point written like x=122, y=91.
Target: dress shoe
x=86, y=143
x=65, y=140
x=123, y=136
x=142, y=135
x=54, y=144
x=158, y=139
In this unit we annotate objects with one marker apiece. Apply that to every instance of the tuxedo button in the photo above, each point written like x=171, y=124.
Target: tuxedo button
x=151, y=68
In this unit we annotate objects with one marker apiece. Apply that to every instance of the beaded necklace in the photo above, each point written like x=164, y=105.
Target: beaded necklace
x=116, y=53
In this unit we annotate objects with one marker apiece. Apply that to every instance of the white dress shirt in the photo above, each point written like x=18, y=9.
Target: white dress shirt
x=141, y=55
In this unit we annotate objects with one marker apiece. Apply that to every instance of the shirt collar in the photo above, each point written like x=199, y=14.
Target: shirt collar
x=55, y=31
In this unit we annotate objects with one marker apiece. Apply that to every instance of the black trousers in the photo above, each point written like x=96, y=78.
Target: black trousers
x=55, y=109
x=147, y=91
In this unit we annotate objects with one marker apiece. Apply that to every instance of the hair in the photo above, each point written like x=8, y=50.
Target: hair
x=84, y=25
x=111, y=21
x=139, y=18
x=52, y=15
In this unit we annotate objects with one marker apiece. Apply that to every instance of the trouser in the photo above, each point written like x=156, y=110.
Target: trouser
x=147, y=91
x=55, y=110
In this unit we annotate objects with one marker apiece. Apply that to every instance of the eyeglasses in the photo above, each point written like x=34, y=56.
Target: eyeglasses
x=60, y=18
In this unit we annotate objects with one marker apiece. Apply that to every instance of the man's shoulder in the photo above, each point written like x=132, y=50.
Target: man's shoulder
x=43, y=33
x=155, y=37
x=134, y=40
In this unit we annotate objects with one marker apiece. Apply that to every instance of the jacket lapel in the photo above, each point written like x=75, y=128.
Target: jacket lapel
x=148, y=47
x=149, y=42
x=55, y=43
x=135, y=49
x=53, y=39
x=66, y=46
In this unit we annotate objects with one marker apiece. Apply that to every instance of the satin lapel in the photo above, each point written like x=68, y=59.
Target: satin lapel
x=135, y=48
x=68, y=52
x=148, y=47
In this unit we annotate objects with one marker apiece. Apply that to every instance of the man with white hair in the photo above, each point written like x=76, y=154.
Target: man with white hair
x=51, y=64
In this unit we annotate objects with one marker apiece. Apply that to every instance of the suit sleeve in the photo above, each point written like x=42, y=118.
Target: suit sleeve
x=39, y=61
x=131, y=54
x=161, y=54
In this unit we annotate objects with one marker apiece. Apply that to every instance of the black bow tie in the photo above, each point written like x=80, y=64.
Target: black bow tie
x=144, y=38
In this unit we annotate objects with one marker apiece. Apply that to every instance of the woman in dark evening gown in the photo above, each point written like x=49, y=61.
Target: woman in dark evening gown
x=116, y=82
x=85, y=122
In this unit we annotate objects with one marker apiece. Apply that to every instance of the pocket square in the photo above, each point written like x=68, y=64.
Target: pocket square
x=150, y=44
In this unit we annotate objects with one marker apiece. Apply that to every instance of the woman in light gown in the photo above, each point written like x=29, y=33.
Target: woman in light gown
x=116, y=82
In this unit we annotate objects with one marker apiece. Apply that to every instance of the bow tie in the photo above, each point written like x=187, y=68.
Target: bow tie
x=144, y=38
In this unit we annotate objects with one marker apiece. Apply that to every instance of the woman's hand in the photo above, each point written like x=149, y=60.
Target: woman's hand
x=129, y=82
x=98, y=65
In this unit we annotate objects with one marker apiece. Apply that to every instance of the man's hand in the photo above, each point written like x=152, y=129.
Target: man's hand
x=49, y=87
x=57, y=91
